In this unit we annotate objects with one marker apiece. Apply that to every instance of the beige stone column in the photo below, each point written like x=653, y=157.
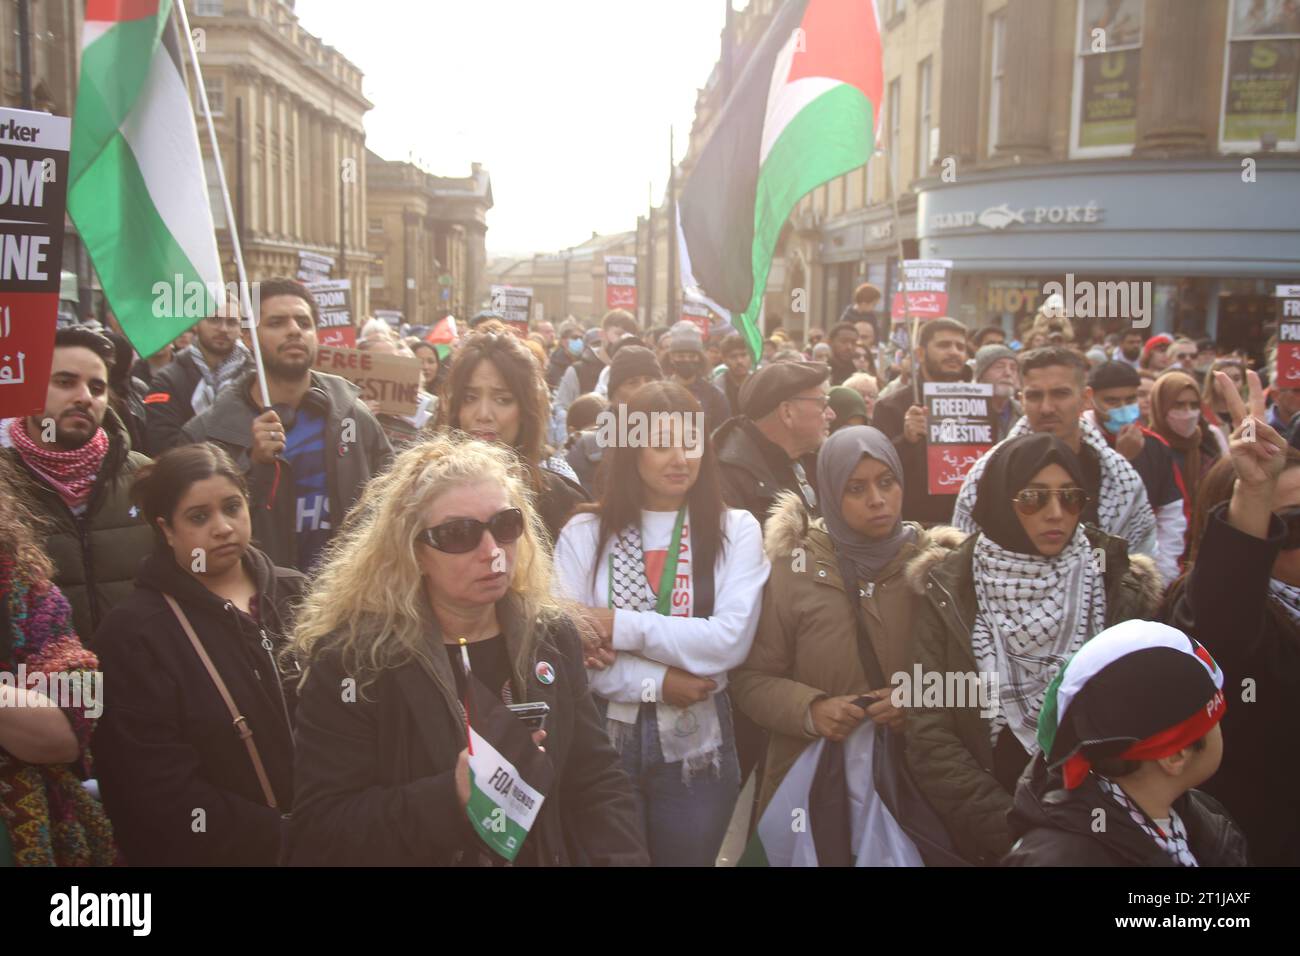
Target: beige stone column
x=1171, y=86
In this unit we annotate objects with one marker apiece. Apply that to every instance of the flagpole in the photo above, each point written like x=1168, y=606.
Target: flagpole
x=908, y=318
x=245, y=301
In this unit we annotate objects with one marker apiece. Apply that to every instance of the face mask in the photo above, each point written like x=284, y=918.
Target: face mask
x=1118, y=418
x=576, y=346
x=1183, y=423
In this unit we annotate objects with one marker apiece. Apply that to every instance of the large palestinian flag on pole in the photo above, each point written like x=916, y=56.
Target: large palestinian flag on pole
x=137, y=192
x=806, y=109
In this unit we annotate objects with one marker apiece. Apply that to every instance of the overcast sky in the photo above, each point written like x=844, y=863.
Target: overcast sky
x=567, y=103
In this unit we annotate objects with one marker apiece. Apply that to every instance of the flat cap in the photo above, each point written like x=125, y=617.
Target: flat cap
x=775, y=383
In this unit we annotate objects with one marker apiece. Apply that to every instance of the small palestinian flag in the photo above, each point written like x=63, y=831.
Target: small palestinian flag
x=508, y=776
x=1139, y=691
x=443, y=336
x=806, y=109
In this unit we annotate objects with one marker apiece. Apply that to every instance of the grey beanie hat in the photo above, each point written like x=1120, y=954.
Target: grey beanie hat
x=685, y=337
x=989, y=354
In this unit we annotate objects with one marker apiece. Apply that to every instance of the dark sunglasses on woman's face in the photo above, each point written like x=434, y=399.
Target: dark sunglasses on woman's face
x=464, y=534
x=1290, y=518
x=1033, y=500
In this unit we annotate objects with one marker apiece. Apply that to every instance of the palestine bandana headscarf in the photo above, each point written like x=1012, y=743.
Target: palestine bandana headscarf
x=1139, y=691
x=836, y=461
x=1033, y=611
x=1123, y=508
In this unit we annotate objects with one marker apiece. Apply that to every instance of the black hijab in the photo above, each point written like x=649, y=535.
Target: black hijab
x=1012, y=466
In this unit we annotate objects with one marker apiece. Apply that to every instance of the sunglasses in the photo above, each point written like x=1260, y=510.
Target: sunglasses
x=461, y=535
x=1033, y=500
x=1290, y=517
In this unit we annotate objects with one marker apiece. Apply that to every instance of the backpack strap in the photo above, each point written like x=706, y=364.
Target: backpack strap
x=239, y=722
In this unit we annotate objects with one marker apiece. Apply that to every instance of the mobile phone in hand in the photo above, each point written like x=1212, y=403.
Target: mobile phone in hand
x=533, y=715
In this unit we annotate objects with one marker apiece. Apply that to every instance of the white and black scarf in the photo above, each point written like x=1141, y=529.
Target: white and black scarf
x=212, y=381
x=691, y=735
x=1288, y=598
x=1123, y=508
x=1033, y=613
x=1174, y=842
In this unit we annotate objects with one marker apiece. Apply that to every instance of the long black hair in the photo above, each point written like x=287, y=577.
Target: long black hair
x=624, y=495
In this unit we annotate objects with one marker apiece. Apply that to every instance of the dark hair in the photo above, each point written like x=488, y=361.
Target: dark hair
x=612, y=349
x=621, y=500
x=1050, y=355
x=1127, y=332
x=519, y=370
x=621, y=318
x=585, y=409
x=864, y=293
x=1115, y=766
x=77, y=337
x=843, y=327
x=985, y=332
x=734, y=342
x=282, y=285
x=942, y=324
x=160, y=484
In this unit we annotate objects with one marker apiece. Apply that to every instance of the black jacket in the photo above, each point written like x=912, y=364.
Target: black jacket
x=557, y=500
x=165, y=747
x=96, y=554
x=713, y=402
x=167, y=406
x=559, y=362
x=349, y=464
x=751, y=478
x=918, y=504
x=1223, y=602
x=1052, y=826
x=375, y=778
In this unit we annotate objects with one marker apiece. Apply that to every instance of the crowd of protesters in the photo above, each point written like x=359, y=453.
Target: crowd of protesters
x=286, y=603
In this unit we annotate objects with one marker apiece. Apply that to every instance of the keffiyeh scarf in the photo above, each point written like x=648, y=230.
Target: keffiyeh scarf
x=70, y=473
x=1174, y=842
x=212, y=381
x=1288, y=598
x=1123, y=508
x=691, y=735
x=1034, y=612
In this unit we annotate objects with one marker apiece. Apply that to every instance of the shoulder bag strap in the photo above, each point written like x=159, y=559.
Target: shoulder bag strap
x=239, y=722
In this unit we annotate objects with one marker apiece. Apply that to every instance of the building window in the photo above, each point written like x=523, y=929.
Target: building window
x=1261, y=73
x=1107, y=57
x=216, y=86
x=208, y=8
x=923, y=119
x=894, y=111
x=376, y=225
x=997, y=67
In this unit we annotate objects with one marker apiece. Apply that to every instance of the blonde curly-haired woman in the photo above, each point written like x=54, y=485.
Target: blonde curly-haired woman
x=446, y=545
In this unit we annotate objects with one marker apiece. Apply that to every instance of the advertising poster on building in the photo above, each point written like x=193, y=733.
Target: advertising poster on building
x=314, y=267
x=959, y=429
x=1263, y=79
x=393, y=381
x=1108, y=102
x=1288, y=336
x=515, y=303
x=334, y=325
x=33, y=184
x=620, y=283
x=925, y=284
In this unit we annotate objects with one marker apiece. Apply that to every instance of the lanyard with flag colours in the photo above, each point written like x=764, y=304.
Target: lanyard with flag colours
x=664, y=596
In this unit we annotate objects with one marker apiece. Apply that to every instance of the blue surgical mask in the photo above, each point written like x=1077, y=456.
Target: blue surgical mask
x=1118, y=418
x=576, y=346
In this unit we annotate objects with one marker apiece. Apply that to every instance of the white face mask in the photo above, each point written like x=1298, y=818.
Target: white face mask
x=1183, y=423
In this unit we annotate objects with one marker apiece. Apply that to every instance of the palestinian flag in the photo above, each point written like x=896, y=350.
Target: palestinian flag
x=806, y=109
x=443, y=336
x=137, y=193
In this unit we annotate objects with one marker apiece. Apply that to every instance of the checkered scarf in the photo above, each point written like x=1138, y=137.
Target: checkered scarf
x=1123, y=508
x=212, y=381
x=1033, y=613
x=691, y=735
x=1174, y=842
x=70, y=473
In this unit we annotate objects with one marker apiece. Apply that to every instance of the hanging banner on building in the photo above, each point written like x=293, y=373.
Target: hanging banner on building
x=334, y=326
x=620, y=282
x=696, y=311
x=959, y=429
x=314, y=267
x=925, y=283
x=1263, y=81
x=393, y=381
x=515, y=303
x=1288, y=336
x=33, y=196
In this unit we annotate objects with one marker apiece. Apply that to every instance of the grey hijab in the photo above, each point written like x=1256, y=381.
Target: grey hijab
x=839, y=456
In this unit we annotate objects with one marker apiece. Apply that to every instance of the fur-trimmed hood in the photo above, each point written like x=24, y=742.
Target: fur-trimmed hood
x=944, y=540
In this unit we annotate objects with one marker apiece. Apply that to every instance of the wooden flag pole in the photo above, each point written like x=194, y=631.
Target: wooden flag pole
x=245, y=300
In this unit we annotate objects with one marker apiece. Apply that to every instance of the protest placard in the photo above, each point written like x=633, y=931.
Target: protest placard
x=959, y=429
x=924, y=282
x=391, y=380
x=620, y=282
x=1288, y=336
x=334, y=326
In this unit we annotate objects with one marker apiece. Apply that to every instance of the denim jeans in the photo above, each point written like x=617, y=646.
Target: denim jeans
x=685, y=823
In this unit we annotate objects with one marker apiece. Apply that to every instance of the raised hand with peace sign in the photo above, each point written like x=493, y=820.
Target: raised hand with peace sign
x=1258, y=456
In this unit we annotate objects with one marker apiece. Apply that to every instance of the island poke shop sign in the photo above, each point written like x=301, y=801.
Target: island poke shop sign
x=959, y=430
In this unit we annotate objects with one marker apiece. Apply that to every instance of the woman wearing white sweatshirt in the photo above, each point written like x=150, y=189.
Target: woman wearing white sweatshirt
x=670, y=580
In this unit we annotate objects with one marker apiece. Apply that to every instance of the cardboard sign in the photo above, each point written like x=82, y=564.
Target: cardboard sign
x=334, y=326
x=960, y=428
x=1288, y=336
x=33, y=195
x=391, y=380
x=620, y=282
x=924, y=282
